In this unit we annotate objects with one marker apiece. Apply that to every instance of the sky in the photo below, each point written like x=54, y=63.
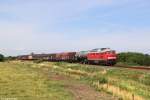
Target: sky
x=48, y=26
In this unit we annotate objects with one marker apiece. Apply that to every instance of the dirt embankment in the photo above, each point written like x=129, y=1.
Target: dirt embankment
x=82, y=91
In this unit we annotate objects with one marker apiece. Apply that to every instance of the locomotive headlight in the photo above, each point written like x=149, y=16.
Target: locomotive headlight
x=112, y=57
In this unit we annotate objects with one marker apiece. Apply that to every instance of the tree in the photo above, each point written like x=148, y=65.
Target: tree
x=10, y=58
x=134, y=58
x=1, y=57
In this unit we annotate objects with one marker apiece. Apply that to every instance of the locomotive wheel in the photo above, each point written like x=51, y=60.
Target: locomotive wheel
x=110, y=63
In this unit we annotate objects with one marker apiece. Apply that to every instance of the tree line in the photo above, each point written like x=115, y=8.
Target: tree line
x=3, y=58
x=134, y=58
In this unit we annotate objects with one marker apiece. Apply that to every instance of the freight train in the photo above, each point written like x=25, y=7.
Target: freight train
x=104, y=56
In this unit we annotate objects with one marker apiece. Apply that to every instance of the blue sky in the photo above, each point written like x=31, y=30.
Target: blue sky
x=45, y=26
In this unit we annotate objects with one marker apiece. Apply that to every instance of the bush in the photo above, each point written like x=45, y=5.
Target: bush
x=38, y=61
x=1, y=57
x=10, y=58
x=134, y=58
x=103, y=80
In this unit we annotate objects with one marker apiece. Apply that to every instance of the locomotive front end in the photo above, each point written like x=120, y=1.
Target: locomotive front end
x=111, y=57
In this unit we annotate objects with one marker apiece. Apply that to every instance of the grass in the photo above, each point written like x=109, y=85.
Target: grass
x=19, y=81
x=125, y=64
x=30, y=80
x=124, y=83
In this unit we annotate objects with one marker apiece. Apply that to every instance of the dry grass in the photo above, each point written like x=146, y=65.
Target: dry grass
x=116, y=91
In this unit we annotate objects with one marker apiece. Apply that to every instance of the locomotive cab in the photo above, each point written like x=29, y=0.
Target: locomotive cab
x=111, y=57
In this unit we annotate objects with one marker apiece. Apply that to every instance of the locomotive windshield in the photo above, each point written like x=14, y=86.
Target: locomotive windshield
x=100, y=50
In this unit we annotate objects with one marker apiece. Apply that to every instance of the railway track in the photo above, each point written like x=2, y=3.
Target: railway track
x=136, y=67
x=129, y=67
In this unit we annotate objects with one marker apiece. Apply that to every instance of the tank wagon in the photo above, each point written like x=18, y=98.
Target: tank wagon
x=104, y=56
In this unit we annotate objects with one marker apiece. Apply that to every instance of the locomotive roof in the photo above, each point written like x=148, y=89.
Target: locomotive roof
x=101, y=50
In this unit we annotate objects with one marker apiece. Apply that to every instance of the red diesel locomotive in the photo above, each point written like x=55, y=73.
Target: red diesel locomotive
x=104, y=56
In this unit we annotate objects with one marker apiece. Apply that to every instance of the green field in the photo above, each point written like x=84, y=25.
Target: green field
x=65, y=81
x=20, y=81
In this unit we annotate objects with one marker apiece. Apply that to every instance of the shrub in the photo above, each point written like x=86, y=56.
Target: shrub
x=1, y=57
x=10, y=58
x=103, y=80
x=38, y=61
x=134, y=58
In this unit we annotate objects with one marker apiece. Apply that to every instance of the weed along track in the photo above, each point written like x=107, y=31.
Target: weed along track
x=115, y=66
x=138, y=68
